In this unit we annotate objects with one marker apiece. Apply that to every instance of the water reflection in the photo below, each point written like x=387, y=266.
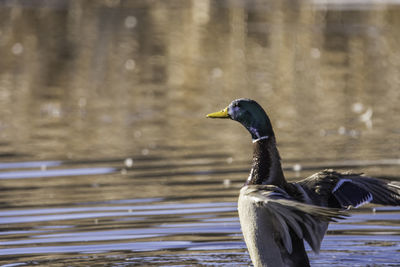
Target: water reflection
x=106, y=155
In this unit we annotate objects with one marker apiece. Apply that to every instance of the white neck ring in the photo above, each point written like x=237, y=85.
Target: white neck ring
x=261, y=138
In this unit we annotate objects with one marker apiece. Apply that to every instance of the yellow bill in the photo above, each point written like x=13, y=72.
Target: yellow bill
x=220, y=114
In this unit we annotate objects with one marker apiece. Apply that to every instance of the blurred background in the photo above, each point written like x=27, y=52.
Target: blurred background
x=102, y=114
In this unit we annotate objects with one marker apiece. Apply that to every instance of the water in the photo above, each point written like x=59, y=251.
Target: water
x=106, y=157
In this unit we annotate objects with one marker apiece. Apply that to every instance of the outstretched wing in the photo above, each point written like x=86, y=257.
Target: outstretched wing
x=307, y=221
x=345, y=190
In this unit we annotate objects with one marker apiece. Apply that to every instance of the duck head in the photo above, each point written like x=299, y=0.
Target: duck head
x=250, y=114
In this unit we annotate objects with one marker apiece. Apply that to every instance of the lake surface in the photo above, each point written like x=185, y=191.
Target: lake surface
x=106, y=157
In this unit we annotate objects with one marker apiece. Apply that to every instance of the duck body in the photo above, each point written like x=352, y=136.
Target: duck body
x=262, y=228
x=276, y=217
x=256, y=228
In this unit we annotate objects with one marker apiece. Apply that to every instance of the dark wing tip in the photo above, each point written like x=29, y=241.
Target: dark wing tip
x=355, y=191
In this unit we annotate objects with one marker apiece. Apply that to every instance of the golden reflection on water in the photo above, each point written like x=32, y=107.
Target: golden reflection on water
x=80, y=79
x=95, y=82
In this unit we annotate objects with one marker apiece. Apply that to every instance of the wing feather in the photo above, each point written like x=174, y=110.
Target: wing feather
x=304, y=219
x=344, y=190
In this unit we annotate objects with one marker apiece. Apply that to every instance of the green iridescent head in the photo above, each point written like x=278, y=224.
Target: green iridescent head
x=250, y=114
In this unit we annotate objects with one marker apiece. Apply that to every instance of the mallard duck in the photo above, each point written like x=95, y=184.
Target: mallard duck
x=276, y=216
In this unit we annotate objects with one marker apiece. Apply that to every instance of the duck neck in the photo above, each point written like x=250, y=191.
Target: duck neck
x=266, y=169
